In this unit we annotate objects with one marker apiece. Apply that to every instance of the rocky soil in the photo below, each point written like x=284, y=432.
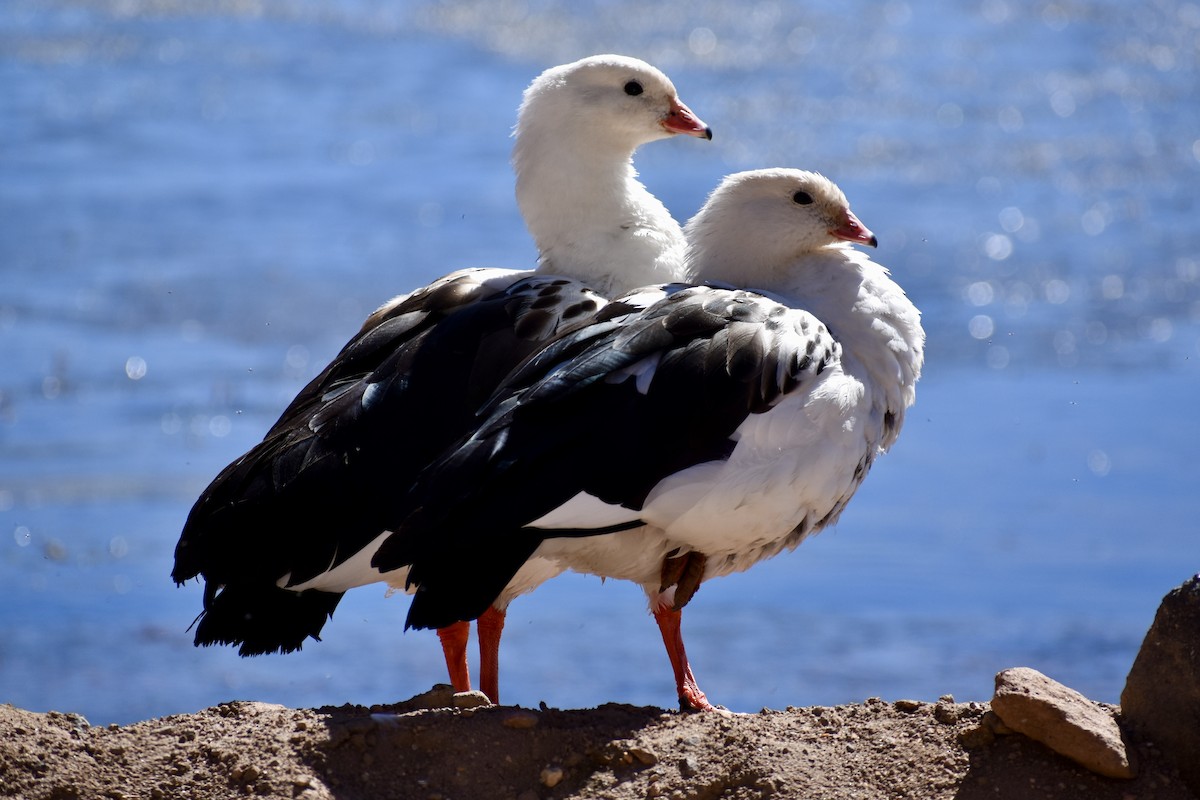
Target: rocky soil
x=873, y=750
x=1036, y=740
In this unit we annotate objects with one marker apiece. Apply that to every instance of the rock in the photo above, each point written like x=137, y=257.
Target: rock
x=644, y=755
x=440, y=696
x=1161, y=699
x=473, y=699
x=1063, y=720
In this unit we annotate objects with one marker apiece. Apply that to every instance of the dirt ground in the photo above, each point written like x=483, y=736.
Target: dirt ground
x=876, y=749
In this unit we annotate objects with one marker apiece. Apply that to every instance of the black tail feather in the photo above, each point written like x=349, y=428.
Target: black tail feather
x=264, y=619
x=461, y=586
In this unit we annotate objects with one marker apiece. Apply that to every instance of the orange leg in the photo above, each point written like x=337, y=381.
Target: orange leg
x=690, y=696
x=454, y=648
x=491, y=625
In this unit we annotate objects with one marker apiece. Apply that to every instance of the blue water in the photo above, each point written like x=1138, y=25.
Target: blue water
x=197, y=207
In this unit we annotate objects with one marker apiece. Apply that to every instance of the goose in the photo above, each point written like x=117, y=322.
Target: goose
x=686, y=432
x=286, y=529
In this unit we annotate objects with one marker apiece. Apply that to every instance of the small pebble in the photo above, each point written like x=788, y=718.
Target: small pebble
x=551, y=776
x=521, y=720
x=644, y=756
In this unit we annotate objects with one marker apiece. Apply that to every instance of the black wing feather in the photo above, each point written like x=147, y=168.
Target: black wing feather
x=326, y=479
x=574, y=419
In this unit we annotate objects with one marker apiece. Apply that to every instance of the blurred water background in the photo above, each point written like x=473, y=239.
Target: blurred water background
x=200, y=201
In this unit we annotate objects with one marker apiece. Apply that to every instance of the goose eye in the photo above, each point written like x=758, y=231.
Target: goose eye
x=802, y=198
x=633, y=88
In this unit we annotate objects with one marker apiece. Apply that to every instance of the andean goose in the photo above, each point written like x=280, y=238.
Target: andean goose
x=714, y=428
x=284, y=531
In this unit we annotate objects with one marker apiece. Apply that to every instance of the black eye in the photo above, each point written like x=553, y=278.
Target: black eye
x=802, y=198
x=633, y=88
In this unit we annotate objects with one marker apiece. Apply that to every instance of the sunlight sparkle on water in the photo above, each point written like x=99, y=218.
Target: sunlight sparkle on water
x=1099, y=463
x=22, y=536
x=1057, y=291
x=997, y=246
x=981, y=327
x=702, y=41
x=118, y=547
x=980, y=293
x=135, y=368
x=1011, y=219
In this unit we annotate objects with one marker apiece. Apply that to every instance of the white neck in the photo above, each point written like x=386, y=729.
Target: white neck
x=590, y=217
x=878, y=326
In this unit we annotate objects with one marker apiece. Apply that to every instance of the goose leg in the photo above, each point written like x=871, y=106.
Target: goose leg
x=454, y=648
x=491, y=625
x=690, y=696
